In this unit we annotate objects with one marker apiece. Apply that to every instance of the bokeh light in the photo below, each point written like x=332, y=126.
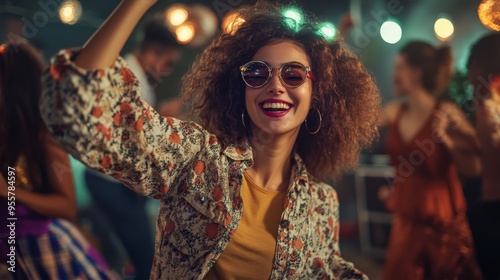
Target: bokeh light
x=489, y=14
x=70, y=11
x=185, y=33
x=293, y=18
x=177, y=15
x=327, y=30
x=391, y=32
x=205, y=23
x=443, y=28
x=231, y=22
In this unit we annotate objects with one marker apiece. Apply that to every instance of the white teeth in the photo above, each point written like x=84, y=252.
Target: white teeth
x=269, y=105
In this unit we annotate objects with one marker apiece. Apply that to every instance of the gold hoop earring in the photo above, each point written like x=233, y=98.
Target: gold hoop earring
x=243, y=118
x=319, y=126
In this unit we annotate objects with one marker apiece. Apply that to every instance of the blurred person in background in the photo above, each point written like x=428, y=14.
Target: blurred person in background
x=429, y=141
x=126, y=211
x=153, y=60
x=47, y=244
x=484, y=74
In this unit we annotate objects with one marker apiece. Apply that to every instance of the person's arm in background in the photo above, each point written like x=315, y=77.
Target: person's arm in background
x=60, y=202
x=346, y=23
x=457, y=134
x=389, y=113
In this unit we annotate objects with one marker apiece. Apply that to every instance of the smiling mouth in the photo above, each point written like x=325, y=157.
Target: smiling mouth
x=275, y=106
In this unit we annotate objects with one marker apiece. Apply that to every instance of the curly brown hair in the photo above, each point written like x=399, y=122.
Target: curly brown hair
x=344, y=91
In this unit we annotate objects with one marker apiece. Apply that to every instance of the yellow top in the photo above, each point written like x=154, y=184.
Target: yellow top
x=250, y=252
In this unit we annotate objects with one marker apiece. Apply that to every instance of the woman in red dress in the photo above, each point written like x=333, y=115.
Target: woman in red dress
x=428, y=142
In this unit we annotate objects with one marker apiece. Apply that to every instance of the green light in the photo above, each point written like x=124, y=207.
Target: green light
x=293, y=18
x=327, y=30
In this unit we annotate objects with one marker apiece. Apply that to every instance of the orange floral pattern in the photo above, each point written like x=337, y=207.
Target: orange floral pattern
x=103, y=122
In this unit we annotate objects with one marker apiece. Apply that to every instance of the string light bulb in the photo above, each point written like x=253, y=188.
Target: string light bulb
x=185, y=33
x=176, y=15
x=293, y=18
x=443, y=28
x=327, y=30
x=489, y=14
x=70, y=11
x=391, y=32
x=232, y=22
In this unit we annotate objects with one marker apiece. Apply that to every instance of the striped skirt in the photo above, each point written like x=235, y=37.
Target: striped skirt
x=62, y=254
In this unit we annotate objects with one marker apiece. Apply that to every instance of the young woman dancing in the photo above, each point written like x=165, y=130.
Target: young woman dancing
x=278, y=108
x=429, y=141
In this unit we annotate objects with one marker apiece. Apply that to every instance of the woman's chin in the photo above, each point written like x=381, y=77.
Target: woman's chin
x=275, y=130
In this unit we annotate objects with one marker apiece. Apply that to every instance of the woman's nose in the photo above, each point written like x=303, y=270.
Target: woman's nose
x=275, y=85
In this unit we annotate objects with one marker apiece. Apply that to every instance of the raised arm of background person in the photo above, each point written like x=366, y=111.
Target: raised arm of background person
x=389, y=113
x=102, y=49
x=60, y=201
x=458, y=135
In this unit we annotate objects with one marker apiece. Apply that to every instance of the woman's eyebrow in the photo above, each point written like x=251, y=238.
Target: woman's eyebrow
x=281, y=64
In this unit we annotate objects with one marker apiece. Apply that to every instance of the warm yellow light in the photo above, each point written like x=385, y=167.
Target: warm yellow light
x=444, y=29
x=232, y=22
x=177, y=15
x=70, y=11
x=489, y=14
x=185, y=33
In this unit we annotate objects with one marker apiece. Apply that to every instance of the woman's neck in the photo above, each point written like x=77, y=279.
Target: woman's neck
x=272, y=159
x=420, y=100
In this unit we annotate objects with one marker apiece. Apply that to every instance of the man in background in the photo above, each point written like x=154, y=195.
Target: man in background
x=154, y=59
x=124, y=210
x=484, y=74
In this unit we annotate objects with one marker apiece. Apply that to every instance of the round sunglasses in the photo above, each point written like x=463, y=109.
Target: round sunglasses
x=292, y=74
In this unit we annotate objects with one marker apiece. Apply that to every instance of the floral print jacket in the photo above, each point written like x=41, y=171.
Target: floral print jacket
x=99, y=117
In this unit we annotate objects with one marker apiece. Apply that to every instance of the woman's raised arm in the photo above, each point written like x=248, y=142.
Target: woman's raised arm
x=102, y=49
x=91, y=104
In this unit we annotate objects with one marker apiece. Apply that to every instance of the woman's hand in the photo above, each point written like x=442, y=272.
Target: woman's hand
x=441, y=127
x=454, y=130
x=384, y=192
x=346, y=23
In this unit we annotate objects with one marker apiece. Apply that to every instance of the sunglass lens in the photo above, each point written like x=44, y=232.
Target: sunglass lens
x=293, y=74
x=256, y=74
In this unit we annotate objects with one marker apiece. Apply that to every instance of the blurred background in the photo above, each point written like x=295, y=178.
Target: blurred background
x=381, y=28
x=69, y=23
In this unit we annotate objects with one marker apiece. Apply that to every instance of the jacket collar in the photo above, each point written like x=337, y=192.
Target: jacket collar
x=300, y=177
x=239, y=151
